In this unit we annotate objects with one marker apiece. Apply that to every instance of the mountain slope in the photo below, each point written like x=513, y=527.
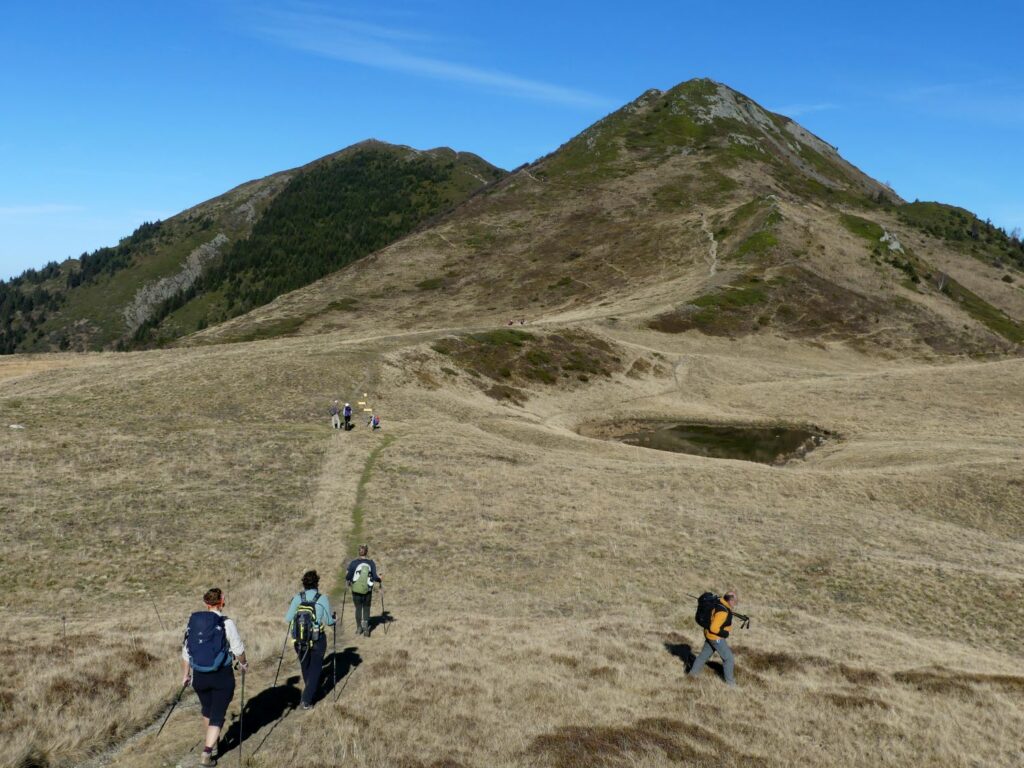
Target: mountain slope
x=690, y=209
x=230, y=254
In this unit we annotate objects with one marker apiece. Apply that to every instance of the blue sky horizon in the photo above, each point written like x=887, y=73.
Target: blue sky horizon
x=115, y=115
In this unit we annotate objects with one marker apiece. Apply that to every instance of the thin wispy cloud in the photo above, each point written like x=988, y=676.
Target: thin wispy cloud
x=990, y=101
x=398, y=50
x=796, y=110
x=42, y=209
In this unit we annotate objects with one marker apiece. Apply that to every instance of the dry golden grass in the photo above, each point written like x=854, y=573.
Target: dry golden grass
x=536, y=577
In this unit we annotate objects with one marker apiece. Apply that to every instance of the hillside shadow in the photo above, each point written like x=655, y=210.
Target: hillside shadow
x=684, y=652
x=272, y=705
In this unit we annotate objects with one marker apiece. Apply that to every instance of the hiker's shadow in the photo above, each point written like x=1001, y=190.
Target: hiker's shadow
x=271, y=705
x=684, y=652
x=268, y=707
x=347, y=661
x=384, y=618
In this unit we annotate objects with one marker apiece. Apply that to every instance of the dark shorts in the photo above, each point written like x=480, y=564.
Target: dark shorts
x=215, y=691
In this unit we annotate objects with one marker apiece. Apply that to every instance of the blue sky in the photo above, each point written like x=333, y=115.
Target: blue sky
x=112, y=113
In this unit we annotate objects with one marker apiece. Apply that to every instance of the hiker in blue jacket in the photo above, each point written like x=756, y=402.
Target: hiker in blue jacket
x=347, y=414
x=308, y=617
x=211, y=644
x=361, y=577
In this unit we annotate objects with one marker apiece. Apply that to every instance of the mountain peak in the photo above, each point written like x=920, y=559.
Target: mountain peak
x=704, y=117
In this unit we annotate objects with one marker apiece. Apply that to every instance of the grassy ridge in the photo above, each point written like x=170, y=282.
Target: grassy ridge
x=283, y=232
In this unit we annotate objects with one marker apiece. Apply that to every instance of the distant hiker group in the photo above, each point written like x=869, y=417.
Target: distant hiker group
x=212, y=645
x=341, y=418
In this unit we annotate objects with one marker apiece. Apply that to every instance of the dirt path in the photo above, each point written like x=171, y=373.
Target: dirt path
x=712, y=258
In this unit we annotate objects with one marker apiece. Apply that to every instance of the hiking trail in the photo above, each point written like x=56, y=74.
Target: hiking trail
x=336, y=511
x=712, y=258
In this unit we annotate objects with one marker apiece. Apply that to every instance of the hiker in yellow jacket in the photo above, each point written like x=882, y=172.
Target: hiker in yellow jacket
x=715, y=638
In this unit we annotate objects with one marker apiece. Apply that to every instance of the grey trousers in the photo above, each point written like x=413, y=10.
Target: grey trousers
x=362, y=604
x=709, y=649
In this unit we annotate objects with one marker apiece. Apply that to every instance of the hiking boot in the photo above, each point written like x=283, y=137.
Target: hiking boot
x=366, y=629
x=306, y=706
x=207, y=759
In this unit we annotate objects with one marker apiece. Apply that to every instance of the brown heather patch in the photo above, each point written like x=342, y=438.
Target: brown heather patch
x=639, y=368
x=394, y=663
x=613, y=746
x=610, y=674
x=90, y=685
x=444, y=762
x=855, y=701
x=138, y=659
x=801, y=304
x=502, y=392
x=567, y=661
x=347, y=713
x=1014, y=683
x=34, y=758
x=519, y=360
x=859, y=676
x=948, y=681
x=770, y=661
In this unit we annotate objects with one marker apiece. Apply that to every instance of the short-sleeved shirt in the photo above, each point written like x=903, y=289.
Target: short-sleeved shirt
x=323, y=608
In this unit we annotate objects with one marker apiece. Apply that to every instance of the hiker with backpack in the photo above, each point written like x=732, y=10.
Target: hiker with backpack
x=308, y=617
x=347, y=414
x=715, y=615
x=211, y=644
x=361, y=577
x=335, y=412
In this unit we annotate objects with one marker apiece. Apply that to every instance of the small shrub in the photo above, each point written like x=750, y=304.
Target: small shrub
x=563, y=283
x=343, y=305
x=759, y=242
x=502, y=337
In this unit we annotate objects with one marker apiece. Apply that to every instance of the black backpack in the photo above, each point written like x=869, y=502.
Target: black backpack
x=305, y=627
x=706, y=606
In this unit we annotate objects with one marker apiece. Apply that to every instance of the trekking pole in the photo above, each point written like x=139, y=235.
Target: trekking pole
x=158, y=616
x=334, y=656
x=176, y=700
x=64, y=624
x=744, y=619
x=383, y=617
x=241, y=716
x=281, y=660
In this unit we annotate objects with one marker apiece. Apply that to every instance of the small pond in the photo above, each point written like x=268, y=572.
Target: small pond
x=767, y=445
